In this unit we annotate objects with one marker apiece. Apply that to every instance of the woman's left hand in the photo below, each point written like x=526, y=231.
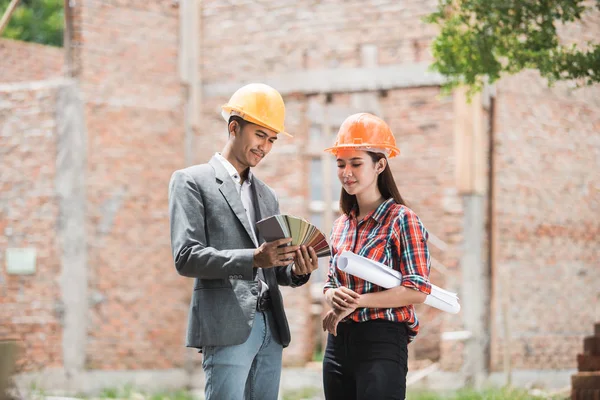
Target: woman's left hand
x=333, y=318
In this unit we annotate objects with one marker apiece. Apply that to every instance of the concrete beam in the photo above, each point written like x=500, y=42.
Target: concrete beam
x=544, y=379
x=34, y=85
x=338, y=80
x=291, y=379
x=90, y=382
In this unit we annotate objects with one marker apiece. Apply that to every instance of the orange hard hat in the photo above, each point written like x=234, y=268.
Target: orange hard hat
x=259, y=104
x=367, y=132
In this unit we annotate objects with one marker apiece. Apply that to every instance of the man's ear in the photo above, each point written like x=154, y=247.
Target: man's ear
x=234, y=128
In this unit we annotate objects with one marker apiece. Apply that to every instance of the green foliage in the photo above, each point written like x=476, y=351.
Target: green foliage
x=480, y=40
x=303, y=394
x=488, y=394
x=177, y=395
x=129, y=392
x=39, y=21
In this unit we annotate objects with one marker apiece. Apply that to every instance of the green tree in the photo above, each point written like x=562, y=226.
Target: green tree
x=481, y=40
x=39, y=21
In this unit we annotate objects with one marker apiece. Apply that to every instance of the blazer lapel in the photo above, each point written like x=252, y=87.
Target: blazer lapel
x=260, y=206
x=229, y=191
x=261, y=210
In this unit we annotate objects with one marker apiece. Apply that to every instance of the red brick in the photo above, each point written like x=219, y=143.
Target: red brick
x=586, y=381
x=591, y=346
x=585, y=394
x=588, y=362
x=22, y=62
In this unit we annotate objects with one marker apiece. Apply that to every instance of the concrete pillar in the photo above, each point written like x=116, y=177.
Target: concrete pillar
x=73, y=38
x=190, y=39
x=70, y=189
x=474, y=299
x=471, y=150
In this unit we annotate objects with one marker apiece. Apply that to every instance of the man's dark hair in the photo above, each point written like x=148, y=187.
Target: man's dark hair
x=241, y=122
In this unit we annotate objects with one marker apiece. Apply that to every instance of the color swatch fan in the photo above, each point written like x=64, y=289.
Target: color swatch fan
x=300, y=230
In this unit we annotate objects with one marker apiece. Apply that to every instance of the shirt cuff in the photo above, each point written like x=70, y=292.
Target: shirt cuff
x=299, y=280
x=417, y=282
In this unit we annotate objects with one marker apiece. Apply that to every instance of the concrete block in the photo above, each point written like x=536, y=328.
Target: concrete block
x=8, y=355
x=20, y=261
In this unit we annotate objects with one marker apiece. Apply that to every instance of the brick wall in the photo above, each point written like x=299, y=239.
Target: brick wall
x=252, y=39
x=22, y=61
x=135, y=141
x=546, y=143
x=547, y=208
x=30, y=304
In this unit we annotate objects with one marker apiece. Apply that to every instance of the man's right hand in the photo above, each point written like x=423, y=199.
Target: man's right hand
x=270, y=255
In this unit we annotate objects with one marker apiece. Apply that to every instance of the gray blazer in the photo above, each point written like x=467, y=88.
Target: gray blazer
x=211, y=242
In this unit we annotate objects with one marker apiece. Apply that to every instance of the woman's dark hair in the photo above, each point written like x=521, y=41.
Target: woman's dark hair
x=241, y=122
x=385, y=184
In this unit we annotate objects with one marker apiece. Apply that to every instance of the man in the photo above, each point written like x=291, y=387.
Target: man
x=236, y=313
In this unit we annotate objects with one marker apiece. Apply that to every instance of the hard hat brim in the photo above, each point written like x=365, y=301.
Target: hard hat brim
x=229, y=111
x=392, y=150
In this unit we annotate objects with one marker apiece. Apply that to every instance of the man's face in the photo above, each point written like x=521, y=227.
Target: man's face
x=252, y=143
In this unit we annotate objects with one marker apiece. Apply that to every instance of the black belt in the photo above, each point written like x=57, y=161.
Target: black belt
x=264, y=302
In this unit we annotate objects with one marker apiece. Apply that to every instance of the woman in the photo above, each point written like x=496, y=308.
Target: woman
x=370, y=327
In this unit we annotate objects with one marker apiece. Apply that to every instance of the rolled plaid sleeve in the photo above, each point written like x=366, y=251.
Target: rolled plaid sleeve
x=411, y=243
x=331, y=282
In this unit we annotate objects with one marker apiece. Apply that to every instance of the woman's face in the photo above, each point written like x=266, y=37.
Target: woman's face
x=357, y=171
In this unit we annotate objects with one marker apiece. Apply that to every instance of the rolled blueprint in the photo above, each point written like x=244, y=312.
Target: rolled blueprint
x=386, y=277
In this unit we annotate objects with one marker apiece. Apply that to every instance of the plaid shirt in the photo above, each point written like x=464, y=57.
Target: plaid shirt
x=393, y=235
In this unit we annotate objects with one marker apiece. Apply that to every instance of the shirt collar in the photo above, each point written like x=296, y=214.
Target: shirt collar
x=232, y=171
x=377, y=214
x=383, y=208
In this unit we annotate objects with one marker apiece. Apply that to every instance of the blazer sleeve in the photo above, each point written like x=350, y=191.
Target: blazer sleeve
x=193, y=258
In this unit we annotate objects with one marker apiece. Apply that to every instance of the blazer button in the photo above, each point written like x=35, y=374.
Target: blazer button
x=254, y=291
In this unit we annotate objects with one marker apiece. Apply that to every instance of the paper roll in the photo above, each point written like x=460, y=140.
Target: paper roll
x=386, y=277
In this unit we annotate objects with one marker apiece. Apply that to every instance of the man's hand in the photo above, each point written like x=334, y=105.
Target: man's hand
x=342, y=298
x=270, y=254
x=305, y=262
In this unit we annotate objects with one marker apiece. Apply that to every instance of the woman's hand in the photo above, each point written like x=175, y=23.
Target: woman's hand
x=333, y=318
x=342, y=298
x=344, y=301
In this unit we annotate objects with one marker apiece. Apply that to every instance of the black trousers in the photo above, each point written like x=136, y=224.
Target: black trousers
x=366, y=360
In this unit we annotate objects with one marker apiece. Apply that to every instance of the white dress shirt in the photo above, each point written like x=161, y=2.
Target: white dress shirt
x=245, y=191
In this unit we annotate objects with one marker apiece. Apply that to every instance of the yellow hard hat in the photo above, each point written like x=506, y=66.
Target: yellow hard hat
x=367, y=132
x=259, y=104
